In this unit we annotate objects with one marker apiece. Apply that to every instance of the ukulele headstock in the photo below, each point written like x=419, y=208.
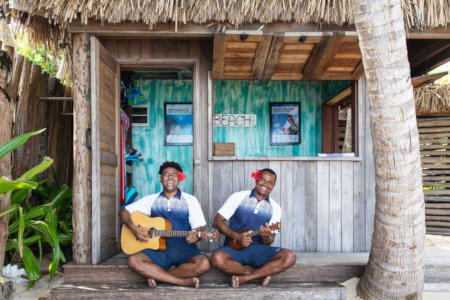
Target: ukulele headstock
x=275, y=226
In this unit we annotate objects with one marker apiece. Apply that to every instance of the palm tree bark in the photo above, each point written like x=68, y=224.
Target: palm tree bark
x=395, y=269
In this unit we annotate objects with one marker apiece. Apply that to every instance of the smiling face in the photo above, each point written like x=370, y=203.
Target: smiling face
x=264, y=185
x=169, y=180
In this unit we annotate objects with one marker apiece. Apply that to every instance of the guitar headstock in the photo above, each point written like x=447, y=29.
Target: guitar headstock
x=208, y=235
x=275, y=226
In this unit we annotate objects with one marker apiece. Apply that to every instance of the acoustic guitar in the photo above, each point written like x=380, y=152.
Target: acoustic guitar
x=159, y=230
x=237, y=246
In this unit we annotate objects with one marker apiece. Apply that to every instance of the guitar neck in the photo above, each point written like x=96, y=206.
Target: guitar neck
x=171, y=233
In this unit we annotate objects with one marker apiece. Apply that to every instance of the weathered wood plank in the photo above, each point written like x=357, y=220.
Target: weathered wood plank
x=82, y=194
x=13, y=85
x=335, y=200
x=298, y=207
x=260, y=56
x=323, y=206
x=347, y=206
x=286, y=186
x=218, y=55
x=311, y=206
x=273, y=56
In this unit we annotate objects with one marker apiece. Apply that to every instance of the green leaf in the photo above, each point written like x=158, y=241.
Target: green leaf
x=30, y=264
x=7, y=185
x=21, y=229
x=16, y=142
x=64, y=192
x=46, y=162
x=19, y=196
x=8, y=210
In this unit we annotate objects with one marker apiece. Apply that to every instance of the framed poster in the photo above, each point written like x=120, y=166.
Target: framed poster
x=285, y=123
x=177, y=124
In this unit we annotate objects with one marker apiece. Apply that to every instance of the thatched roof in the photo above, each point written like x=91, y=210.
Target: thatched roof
x=46, y=21
x=433, y=98
x=417, y=13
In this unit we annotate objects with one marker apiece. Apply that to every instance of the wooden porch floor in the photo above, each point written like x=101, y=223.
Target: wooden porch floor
x=310, y=267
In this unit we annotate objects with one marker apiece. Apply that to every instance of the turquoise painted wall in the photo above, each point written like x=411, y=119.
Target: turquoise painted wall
x=150, y=140
x=253, y=97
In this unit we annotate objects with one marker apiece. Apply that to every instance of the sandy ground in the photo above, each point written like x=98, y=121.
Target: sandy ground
x=437, y=244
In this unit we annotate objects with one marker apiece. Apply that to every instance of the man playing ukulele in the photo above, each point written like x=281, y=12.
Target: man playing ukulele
x=251, y=210
x=184, y=212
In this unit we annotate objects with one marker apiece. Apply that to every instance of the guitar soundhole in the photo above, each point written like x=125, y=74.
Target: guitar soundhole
x=151, y=232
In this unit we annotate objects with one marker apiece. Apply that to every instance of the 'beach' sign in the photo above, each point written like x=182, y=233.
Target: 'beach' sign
x=234, y=120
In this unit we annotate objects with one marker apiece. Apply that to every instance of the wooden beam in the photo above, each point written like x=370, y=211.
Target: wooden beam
x=261, y=55
x=82, y=173
x=359, y=70
x=315, y=57
x=218, y=55
x=343, y=94
x=427, y=52
x=433, y=33
x=272, y=59
x=421, y=80
x=56, y=98
x=167, y=30
x=431, y=63
x=328, y=54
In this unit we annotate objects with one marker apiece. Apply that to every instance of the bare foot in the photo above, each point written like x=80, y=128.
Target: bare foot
x=151, y=283
x=194, y=282
x=266, y=280
x=234, y=281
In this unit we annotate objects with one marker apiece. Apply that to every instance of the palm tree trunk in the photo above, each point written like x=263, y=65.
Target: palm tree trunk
x=395, y=268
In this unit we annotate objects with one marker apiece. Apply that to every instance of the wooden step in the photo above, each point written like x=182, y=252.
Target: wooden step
x=308, y=268
x=287, y=290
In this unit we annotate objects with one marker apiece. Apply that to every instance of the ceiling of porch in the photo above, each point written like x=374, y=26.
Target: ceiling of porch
x=286, y=57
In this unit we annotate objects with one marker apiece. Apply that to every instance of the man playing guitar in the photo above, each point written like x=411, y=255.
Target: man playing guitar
x=184, y=212
x=251, y=210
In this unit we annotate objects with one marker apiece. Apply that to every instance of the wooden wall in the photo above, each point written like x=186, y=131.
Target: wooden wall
x=328, y=205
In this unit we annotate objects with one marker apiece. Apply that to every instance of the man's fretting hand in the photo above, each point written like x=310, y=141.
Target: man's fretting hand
x=191, y=238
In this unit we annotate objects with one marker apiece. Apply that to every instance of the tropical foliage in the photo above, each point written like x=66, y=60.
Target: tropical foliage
x=33, y=227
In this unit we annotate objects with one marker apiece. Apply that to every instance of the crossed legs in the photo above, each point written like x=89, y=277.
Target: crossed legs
x=242, y=274
x=184, y=275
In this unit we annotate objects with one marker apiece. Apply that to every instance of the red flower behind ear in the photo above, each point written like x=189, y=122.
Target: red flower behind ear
x=256, y=174
x=181, y=176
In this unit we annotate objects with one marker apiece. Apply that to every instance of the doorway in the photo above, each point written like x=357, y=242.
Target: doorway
x=162, y=99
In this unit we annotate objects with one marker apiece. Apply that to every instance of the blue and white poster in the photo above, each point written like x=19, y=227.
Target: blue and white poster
x=178, y=124
x=284, y=123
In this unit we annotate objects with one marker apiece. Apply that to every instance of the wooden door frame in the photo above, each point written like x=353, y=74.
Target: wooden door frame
x=97, y=50
x=171, y=63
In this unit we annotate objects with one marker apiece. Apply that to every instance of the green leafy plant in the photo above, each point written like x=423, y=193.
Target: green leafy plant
x=31, y=225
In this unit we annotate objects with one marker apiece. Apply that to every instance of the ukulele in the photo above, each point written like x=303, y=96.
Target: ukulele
x=237, y=246
x=159, y=230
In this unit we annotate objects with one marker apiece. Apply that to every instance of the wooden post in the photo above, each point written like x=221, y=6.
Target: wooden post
x=82, y=164
x=21, y=118
x=13, y=85
x=6, y=120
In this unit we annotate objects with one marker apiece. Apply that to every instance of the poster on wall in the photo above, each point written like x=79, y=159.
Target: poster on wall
x=285, y=123
x=178, y=124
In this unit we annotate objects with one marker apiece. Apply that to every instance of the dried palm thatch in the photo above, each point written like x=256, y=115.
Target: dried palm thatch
x=433, y=98
x=46, y=20
x=417, y=13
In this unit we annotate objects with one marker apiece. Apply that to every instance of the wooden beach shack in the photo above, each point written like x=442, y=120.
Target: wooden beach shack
x=231, y=61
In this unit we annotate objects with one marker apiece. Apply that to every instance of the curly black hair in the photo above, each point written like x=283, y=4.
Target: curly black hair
x=169, y=164
x=270, y=171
